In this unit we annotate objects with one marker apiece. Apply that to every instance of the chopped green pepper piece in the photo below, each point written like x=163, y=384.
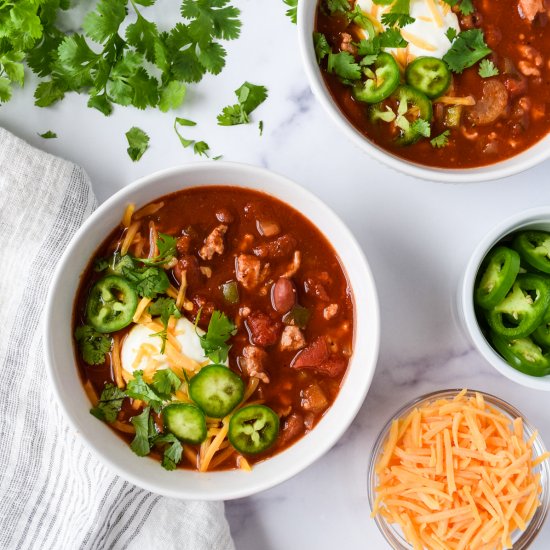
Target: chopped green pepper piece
x=230, y=292
x=297, y=316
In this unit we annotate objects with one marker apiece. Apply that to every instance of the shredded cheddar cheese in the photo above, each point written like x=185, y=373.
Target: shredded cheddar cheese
x=435, y=12
x=417, y=41
x=127, y=218
x=449, y=100
x=458, y=474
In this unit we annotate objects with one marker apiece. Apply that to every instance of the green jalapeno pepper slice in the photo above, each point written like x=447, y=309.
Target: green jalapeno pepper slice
x=523, y=354
x=498, y=273
x=217, y=390
x=111, y=304
x=412, y=105
x=428, y=75
x=523, y=308
x=534, y=249
x=253, y=429
x=382, y=80
x=186, y=421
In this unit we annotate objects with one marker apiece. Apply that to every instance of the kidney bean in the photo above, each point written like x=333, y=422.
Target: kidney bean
x=313, y=355
x=263, y=330
x=283, y=295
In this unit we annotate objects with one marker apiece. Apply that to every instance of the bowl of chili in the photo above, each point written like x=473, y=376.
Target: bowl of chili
x=105, y=306
x=446, y=94
x=504, y=298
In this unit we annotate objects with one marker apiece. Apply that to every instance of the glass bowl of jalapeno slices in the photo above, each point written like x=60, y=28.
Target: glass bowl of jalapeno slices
x=504, y=299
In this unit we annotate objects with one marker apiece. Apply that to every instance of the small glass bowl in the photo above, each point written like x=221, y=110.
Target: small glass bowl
x=520, y=540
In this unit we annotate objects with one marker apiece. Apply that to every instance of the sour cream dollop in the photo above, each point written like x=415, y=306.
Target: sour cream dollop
x=426, y=36
x=141, y=349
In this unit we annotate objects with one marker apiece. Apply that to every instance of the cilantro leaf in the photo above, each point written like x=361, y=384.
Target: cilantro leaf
x=199, y=147
x=165, y=308
x=137, y=388
x=487, y=69
x=211, y=19
x=101, y=24
x=166, y=245
x=335, y=6
x=166, y=382
x=392, y=38
x=399, y=14
x=172, y=452
x=249, y=96
x=148, y=280
x=421, y=127
x=451, y=34
x=138, y=142
x=93, y=346
x=466, y=7
x=214, y=342
x=344, y=65
x=466, y=50
x=261, y=127
x=48, y=135
x=441, y=140
x=292, y=11
x=140, y=444
x=321, y=45
x=109, y=403
x=172, y=96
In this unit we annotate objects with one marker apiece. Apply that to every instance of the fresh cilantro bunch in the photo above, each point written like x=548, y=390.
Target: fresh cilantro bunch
x=140, y=66
x=143, y=66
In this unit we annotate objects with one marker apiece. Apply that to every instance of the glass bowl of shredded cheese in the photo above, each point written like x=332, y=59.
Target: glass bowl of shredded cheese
x=459, y=469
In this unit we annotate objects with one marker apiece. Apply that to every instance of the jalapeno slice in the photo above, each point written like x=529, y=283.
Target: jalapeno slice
x=382, y=80
x=186, y=421
x=499, y=271
x=412, y=105
x=217, y=390
x=111, y=304
x=253, y=429
x=428, y=75
x=523, y=354
x=523, y=308
x=534, y=249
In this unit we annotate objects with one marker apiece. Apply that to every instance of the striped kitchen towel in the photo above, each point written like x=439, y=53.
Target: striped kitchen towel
x=53, y=493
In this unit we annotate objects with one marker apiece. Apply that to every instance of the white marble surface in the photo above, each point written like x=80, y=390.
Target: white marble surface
x=417, y=236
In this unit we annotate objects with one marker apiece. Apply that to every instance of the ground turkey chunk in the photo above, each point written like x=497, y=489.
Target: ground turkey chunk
x=252, y=362
x=247, y=268
x=529, y=9
x=213, y=244
x=292, y=339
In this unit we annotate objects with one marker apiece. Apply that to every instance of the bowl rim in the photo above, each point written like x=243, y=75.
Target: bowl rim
x=392, y=536
x=501, y=169
x=515, y=222
x=232, y=171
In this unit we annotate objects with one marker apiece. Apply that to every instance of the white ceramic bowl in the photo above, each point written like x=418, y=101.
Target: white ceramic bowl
x=535, y=218
x=525, y=160
x=114, y=452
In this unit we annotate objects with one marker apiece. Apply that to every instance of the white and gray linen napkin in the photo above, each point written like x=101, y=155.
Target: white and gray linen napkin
x=54, y=494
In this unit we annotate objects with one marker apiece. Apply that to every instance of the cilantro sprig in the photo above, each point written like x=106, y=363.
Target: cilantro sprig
x=93, y=346
x=399, y=14
x=214, y=342
x=487, y=69
x=466, y=50
x=292, y=11
x=249, y=97
x=165, y=308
